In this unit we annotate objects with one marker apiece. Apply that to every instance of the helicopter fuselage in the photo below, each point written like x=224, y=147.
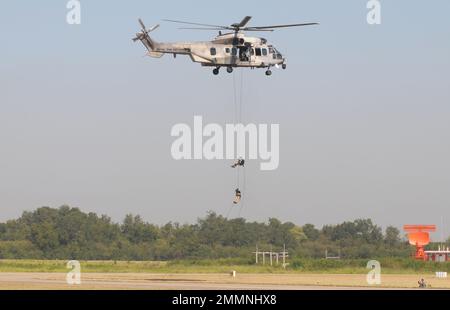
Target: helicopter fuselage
x=227, y=50
x=233, y=49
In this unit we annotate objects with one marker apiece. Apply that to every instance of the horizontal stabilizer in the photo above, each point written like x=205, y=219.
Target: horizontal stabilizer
x=155, y=54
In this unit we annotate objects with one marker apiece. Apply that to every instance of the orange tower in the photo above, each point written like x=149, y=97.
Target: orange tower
x=419, y=236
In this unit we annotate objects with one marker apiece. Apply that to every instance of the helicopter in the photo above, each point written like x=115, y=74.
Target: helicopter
x=232, y=49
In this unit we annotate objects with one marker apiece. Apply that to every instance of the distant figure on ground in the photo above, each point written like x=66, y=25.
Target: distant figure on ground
x=239, y=162
x=237, y=197
x=422, y=283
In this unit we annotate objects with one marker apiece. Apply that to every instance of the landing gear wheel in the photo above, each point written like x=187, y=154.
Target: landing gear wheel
x=268, y=73
x=216, y=71
x=284, y=66
x=229, y=69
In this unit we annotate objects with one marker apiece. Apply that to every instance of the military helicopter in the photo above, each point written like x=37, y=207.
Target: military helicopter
x=230, y=50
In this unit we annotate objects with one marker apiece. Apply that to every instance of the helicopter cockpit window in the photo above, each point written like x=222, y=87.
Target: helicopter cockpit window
x=213, y=51
x=279, y=56
x=258, y=51
x=270, y=50
x=252, y=51
x=264, y=51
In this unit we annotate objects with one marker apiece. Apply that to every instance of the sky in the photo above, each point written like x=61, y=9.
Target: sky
x=363, y=111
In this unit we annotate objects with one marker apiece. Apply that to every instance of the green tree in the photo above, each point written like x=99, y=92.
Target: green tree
x=311, y=232
x=69, y=233
x=392, y=236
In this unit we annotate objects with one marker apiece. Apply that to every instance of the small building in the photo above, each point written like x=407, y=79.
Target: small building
x=440, y=255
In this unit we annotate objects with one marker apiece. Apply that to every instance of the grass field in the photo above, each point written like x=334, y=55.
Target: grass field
x=389, y=266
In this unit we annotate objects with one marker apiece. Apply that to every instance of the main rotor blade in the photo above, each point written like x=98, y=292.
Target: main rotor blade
x=279, y=26
x=244, y=22
x=258, y=30
x=189, y=23
x=217, y=28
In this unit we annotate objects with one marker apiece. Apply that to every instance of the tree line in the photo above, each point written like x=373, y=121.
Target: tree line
x=69, y=233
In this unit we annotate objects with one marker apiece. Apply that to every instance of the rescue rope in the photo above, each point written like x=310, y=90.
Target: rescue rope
x=238, y=91
x=236, y=117
x=241, y=94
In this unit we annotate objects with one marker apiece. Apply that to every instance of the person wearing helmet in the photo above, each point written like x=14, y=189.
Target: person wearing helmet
x=237, y=197
x=239, y=162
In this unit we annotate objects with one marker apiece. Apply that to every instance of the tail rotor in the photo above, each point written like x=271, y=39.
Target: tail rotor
x=144, y=33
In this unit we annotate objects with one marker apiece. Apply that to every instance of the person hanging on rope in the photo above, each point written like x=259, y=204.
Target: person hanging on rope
x=239, y=162
x=237, y=197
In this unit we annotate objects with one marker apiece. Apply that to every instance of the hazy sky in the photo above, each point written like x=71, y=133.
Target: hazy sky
x=364, y=112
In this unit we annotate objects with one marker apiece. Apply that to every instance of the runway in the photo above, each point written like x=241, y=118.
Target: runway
x=144, y=281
